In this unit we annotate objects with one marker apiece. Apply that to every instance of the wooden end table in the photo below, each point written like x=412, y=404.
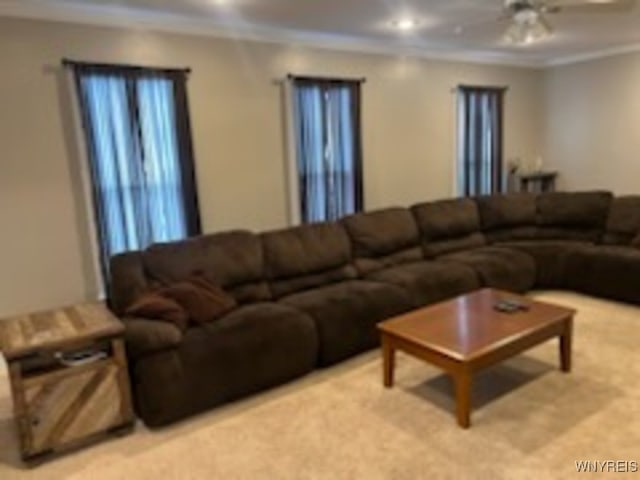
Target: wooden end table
x=69, y=378
x=467, y=334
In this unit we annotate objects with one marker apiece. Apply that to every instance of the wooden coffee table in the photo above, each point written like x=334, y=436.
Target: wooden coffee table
x=466, y=334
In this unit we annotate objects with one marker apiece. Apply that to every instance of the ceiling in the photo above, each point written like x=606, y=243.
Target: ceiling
x=467, y=29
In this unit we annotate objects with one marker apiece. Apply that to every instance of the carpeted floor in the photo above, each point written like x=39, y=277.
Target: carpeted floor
x=529, y=420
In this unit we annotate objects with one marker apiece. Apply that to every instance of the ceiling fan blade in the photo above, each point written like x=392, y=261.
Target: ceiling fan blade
x=589, y=6
x=571, y=3
x=473, y=26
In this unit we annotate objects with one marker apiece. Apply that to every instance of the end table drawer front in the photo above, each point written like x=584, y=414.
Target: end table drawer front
x=61, y=409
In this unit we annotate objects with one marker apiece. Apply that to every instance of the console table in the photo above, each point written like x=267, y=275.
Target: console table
x=69, y=378
x=538, y=182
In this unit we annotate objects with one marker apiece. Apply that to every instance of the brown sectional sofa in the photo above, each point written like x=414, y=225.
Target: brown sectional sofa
x=311, y=296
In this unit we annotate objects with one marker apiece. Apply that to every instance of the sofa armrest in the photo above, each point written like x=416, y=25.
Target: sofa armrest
x=144, y=336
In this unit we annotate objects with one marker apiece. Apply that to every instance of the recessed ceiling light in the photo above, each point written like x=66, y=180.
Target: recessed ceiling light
x=405, y=24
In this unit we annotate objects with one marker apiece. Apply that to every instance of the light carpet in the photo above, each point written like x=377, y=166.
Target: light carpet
x=529, y=420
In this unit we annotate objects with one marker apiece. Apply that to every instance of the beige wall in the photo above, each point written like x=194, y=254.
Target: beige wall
x=592, y=119
x=236, y=110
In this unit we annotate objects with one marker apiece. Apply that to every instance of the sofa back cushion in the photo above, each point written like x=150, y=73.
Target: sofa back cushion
x=232, y=260
x=623, y=222
x=448, y=226
x=508, y=217
x=573, y=216
x=308, y=256
x=383, y=238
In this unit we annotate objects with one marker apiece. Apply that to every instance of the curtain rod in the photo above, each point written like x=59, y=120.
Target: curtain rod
x=121, y=66
x=313, y=78
x=479, y=88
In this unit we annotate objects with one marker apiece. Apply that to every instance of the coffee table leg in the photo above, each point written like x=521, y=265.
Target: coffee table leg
x=388, y=361
x=462, y=383
x=565, y=346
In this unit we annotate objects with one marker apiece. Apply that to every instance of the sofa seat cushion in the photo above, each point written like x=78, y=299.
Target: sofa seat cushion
x=383, y=238
x=430, y=281
x=608, y=271
x=499, y=267
x=346, y=315
x=552, y=260
x=252, y=348
x=448, y=226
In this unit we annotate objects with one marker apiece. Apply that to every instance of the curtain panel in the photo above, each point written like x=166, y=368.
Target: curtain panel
x=480, y=140
x=138, y=137
x=328, y=149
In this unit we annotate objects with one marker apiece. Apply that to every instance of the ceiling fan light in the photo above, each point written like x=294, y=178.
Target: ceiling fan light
x=526, y=16
x=527, y=32
x=515, y=34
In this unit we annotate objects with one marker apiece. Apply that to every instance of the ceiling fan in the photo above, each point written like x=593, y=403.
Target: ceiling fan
x=528, y=19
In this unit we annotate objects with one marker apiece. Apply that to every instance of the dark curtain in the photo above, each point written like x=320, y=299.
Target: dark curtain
x=328, y=147
x=480, y=113
x=138, y=137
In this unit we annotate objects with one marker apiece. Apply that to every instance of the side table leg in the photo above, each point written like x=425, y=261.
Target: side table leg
x=462, y=383
x=388, y=361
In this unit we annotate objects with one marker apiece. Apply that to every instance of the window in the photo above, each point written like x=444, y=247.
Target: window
x=480, y=140
x=326, y=128
x=138, y=140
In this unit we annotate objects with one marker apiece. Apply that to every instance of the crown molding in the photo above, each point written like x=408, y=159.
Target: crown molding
x=129, y=17
x=593, y=55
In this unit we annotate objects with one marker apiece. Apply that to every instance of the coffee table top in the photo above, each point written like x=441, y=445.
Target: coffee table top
x=469, y=326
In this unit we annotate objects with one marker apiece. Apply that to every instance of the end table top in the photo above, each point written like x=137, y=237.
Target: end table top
x=23, y=335
x=468, y=326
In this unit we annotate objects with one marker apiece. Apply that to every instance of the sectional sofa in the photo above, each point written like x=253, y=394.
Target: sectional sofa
x=311, y=296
